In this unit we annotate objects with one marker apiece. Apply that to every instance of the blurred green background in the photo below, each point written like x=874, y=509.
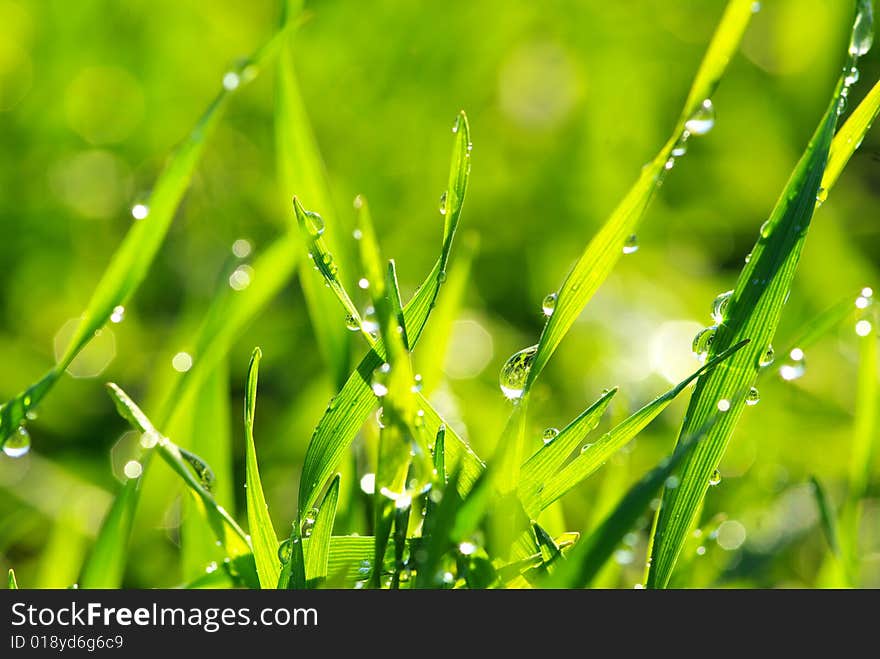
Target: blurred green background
x=566, y=100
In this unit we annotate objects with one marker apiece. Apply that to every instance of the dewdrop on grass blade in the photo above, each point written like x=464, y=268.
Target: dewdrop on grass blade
x=515, y=372
x=18, y=443
x=702, y=120
x=548, y=305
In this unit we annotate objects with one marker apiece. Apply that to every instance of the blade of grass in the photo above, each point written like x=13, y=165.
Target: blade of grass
x=606, y=248
x=263, y=538
x=595, y=455
x=13, y=584
x=106, y=562
x=317, y=555
x=753, y=312
x=826, y=516
x=301, y=172
x=352, y=405
x=132, y=259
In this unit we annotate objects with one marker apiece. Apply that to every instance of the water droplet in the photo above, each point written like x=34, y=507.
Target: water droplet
x=118, y=314
x=767, y=357
x=467, y=548
x=841, y=104
x=764, y=231
x=443, y=203
x=702, y=120
x=753, y=397
x=140, y=211
x=352, y=323
x=380, y=417
x=548, y=306
x=715, y=478
x=379, y=383
x=701, y=550
x=863, y=29
x=314, y=223
x=550, y=434
x=309, y=522
x=182, y=362
x=585, y=448
x=456, y=123
x=515, y=371
x=863, y=327
x=795, y=368
x=703, y=341
x=133, y=469
x=669, y=164
x=18, y=443
x=242, y=248
x=357, y=234
x=723, y=405
x=631, y=245
x=285, y=551
x=240, y=278
x=672, y=482
x=756, y=7
x=719, y=306
x=231, y=81
x=363, y=283
x=748, y=257
x=211, y=567
x=417, y=386
x=368, y=483
x=370, y=324
x=852, y=76
x=680, y=147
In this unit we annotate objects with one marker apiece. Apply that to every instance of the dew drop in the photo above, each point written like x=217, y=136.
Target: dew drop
x=443, y=198
x=852, y=76
x=863, y=29
x=18, y=443
x=631, y=245
x=467, y=548
x=285, y=551
x=766, y=358
x=550, y=434
x=379, y=383
x=863, y=327
x=182, y=362
x=703, y=341
x=669, y=164
x=352, y=323
x=680, y=147
x=231, y=81
x=368, y=483
x=719, y=306
x=764, y=231
x=753, y=397
x=548, y=306
x=308, y=523
x=370, y=324
x=723, y=405
x=314, y=223
x=133, y=469
x=242, y=248
x=702, y=120
x=515, y=372
x=118, y=314
x=715, y=478
x=417, y=385
x=240, y=278
x=140, y=211
x=363, y=283
x=795, y=368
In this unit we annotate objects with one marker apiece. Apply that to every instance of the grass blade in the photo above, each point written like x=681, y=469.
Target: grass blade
x=263, y=538
x=106, y=562
x=13, y=584
x=353, y=404
x=597, y=453
x=826, y=516
x=317, y=555
x=605, y=249
x=132, y=259
x=753, y=312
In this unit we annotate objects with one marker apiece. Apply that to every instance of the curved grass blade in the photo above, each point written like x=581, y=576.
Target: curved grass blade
x=263, y=538
x=605, y=249
x=13, y=584
x=753, y=312
x=132, y=259
x=597, y=453
x=549, y=458
x=301, y=172
x=317, y=555
x=826, y=516
x=352, y=405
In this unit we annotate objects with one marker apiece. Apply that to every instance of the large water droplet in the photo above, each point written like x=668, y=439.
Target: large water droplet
x=285, y=550
x=703, y=341
x=766, y=357
x=631, y=245
x=515, y=372
x=548, y=306
x=702, y=120
x=443, y=198
x=381, y=376
x=308, y=523
x=550, y=434
x=715, y=478
x=18, y=443
x=764, y=231
x=118, y=314
x=352, y=323
x=863, y=29
x=719, y=306
x=852, y=76
x=314, y=223
x=753, y=397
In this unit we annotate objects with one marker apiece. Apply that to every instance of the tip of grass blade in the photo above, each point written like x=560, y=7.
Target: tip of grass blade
x=13, y=584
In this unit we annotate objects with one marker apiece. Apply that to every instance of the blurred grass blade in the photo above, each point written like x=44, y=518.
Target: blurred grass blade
x=301, y=172
x=352, y=405
x=826, y=516
x=132, y=259
x=318, y=554
x=263, y=538
x=819, y=326
x=13, y=584
x=549, y=458
x=542, y=494
x=753, y=312
x=105, y=565
x=849, y=138
x=590, y=554
x=606, y=248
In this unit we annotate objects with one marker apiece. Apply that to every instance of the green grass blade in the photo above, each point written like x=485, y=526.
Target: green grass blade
x=105, y=565
x=301, y=172
x=827, y=516
x=13, y=584
x=753, y=313
x=263, y=538
x=132, y=259
x=317, y=555
x=353, y=404
x=549, y=458
x=595, y=455
x=293, y=568
x=606, y=248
